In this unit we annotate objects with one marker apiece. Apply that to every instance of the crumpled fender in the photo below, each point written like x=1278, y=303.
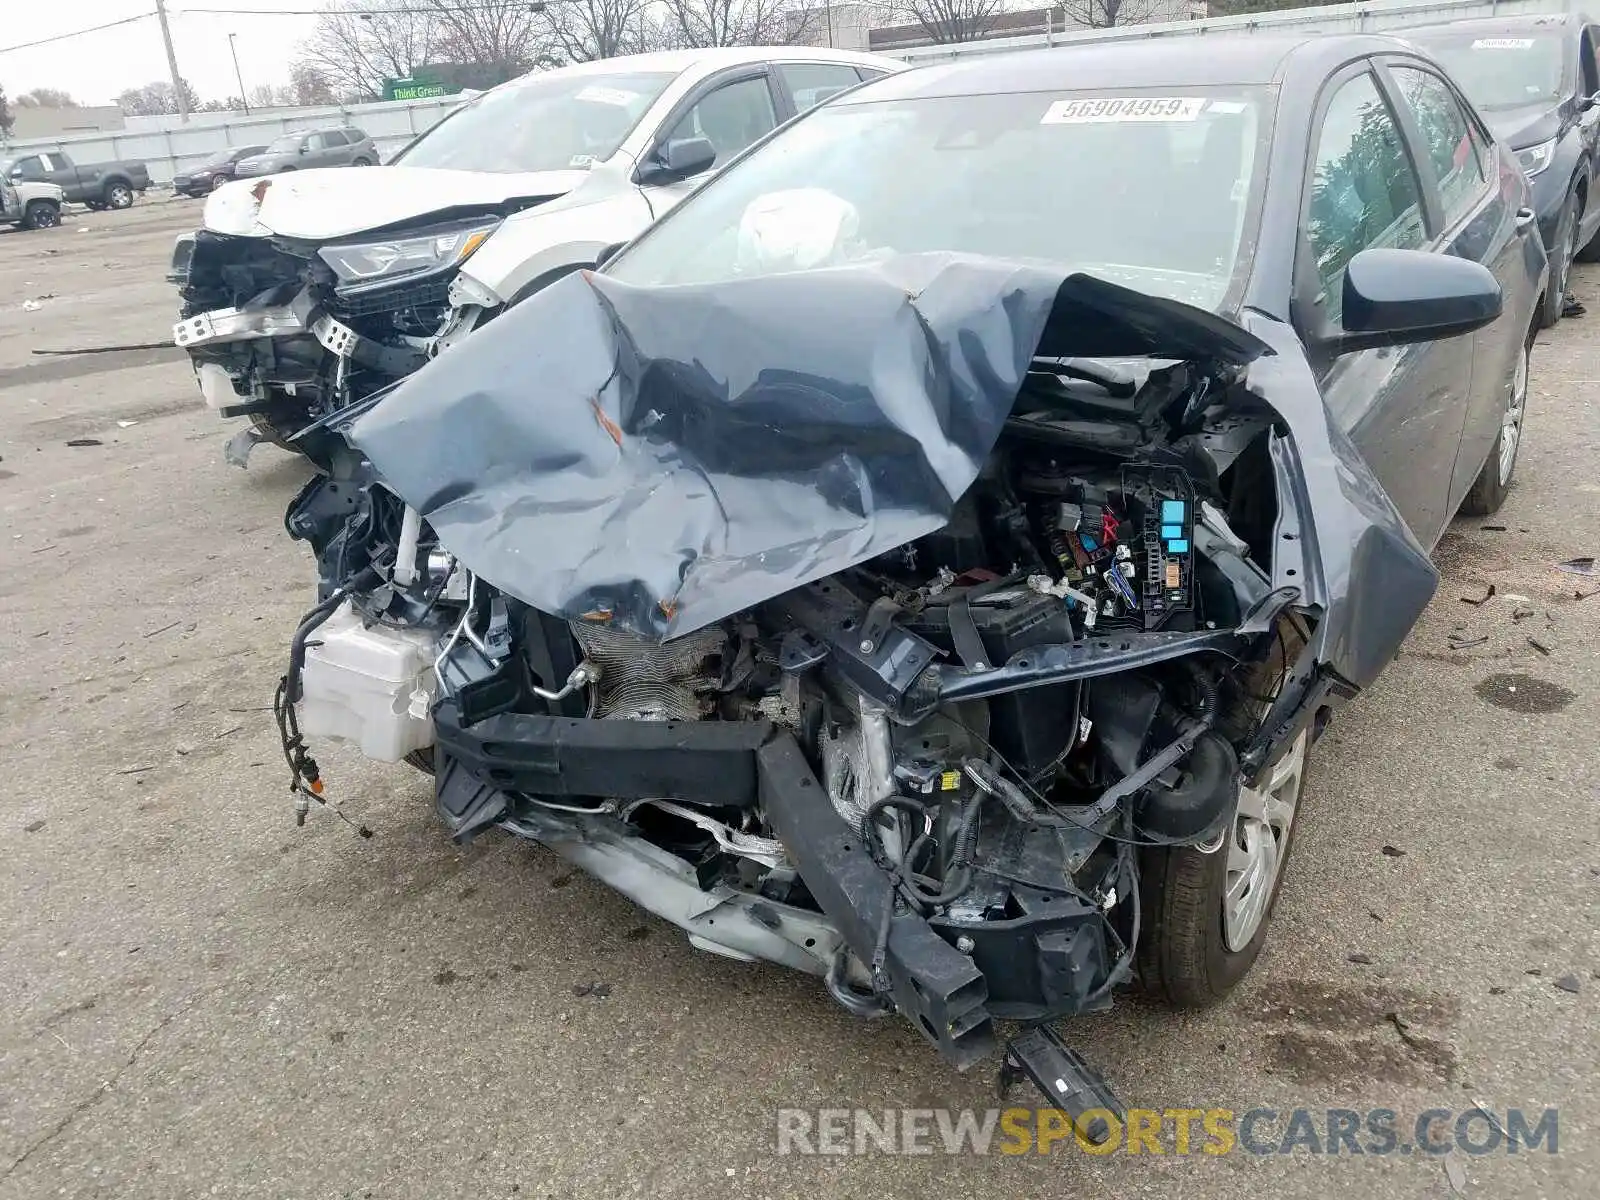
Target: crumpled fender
x=1357, y=560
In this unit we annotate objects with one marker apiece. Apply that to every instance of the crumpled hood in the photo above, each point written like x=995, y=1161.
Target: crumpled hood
x=337, y=201
x=668, y=456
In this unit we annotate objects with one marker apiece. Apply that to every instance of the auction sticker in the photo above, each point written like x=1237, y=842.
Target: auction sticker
x=1106, y=110
x=605, y=95
x=1503, y=44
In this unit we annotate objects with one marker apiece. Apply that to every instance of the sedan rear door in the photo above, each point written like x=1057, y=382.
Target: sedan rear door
x=1480, y=196
x=1403, y=406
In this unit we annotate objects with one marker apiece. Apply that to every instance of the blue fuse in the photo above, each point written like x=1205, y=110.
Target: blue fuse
x=1172, y=531
x=1172, y=512
x=1178, y=546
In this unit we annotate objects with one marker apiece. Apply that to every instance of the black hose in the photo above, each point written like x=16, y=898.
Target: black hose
x=1207, y=687
x=309, y=625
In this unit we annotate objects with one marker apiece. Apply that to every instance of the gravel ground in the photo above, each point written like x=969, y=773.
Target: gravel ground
x=199, y=999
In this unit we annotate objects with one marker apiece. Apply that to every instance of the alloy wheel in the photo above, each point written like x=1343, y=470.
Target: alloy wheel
x=1257, y=843
x=119, y=197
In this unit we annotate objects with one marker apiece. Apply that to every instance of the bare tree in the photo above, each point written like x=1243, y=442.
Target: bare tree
x=948, y=21
x=741, y=22
x=310, y=86
x=505, y=36
x=46, y=98
x=360, y=43
x=5, y=113
x=1103, y=14
x=156, y=99
x=584, y=30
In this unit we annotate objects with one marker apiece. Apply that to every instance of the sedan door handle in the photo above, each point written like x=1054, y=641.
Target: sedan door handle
x=1525, y=218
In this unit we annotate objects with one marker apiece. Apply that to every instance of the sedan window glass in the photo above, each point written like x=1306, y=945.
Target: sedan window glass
x=1148, y=190
x=1364, y=189
x=544, y=123
x=1501, y=72
x=1447, y=138
x=812, y=83
x=289, y=143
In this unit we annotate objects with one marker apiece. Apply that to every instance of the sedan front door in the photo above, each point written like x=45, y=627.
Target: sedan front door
x=1402, y=406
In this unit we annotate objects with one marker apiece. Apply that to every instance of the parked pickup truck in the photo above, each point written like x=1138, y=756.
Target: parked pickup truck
x=100, y=185
x=30, y=205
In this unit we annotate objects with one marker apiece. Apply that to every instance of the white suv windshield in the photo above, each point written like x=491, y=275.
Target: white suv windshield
x=1149, y=189
x=545, y=123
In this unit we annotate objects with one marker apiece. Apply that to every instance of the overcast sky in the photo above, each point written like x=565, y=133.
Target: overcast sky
x=95, y=67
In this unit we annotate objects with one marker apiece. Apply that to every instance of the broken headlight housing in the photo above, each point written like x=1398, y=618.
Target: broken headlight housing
x=363, y=265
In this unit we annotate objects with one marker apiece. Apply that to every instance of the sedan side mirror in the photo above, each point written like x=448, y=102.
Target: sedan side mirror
x=1397, y=297
x=1589, y=102
x=678, y=159
x=304, y=149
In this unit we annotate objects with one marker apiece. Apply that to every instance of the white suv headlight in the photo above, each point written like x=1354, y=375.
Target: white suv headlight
x=360, y=265
x=1536, y=158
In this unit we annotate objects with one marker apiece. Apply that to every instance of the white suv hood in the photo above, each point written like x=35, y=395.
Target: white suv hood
x=338, y=201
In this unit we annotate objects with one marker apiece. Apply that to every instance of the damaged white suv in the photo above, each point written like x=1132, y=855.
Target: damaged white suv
x=307, y=291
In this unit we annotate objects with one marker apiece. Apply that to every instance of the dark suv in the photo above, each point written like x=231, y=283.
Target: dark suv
x=1537, y=84
x=347, y=147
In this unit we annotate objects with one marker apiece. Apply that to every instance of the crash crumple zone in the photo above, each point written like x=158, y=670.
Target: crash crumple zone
x=909, y=623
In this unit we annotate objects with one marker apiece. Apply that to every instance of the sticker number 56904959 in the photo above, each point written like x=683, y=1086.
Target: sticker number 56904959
x=1089, y=111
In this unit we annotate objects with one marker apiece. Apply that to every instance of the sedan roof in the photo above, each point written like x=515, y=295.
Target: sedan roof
x=1178, y=61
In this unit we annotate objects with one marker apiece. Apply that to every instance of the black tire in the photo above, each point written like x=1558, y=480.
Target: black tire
x=422, y=760
x=1561, y=257
x=1184, y=955
x=361, y=162
x=41, y=214
x=94, y=206
x=1489, y=489
x=118, y=195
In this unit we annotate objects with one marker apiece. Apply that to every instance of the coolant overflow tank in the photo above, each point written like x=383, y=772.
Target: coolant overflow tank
x=361, y=684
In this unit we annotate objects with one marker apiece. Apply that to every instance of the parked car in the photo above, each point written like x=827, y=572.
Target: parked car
x=214, y=172
x=530, y=181
x=925, y=561
x=101, y=185
x=30, y=205
x=1537, y=83
x=347, y=147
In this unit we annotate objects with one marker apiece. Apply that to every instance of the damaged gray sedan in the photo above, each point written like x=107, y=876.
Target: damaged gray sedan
x=925, y=558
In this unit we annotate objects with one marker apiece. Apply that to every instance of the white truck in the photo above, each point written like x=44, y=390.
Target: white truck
x=30, y=205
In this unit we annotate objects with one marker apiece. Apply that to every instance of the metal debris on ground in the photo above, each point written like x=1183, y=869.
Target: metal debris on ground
x=1393, y=852
x=1456, y=1174
x=1476, y=600
x=1358, y=957
x=1459, y=642
x=1568, y=983
x=86, y=442
x=237, y=452
x=1579, y=566
x=1539, y=646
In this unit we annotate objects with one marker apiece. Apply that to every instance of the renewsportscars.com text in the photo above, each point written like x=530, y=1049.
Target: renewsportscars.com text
x=1170, y=1131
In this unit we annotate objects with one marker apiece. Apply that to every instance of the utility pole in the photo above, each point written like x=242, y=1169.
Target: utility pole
x=237, y=74
x=172, y=63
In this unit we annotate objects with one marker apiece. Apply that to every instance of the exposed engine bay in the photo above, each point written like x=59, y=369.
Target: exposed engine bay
x=927, y=768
